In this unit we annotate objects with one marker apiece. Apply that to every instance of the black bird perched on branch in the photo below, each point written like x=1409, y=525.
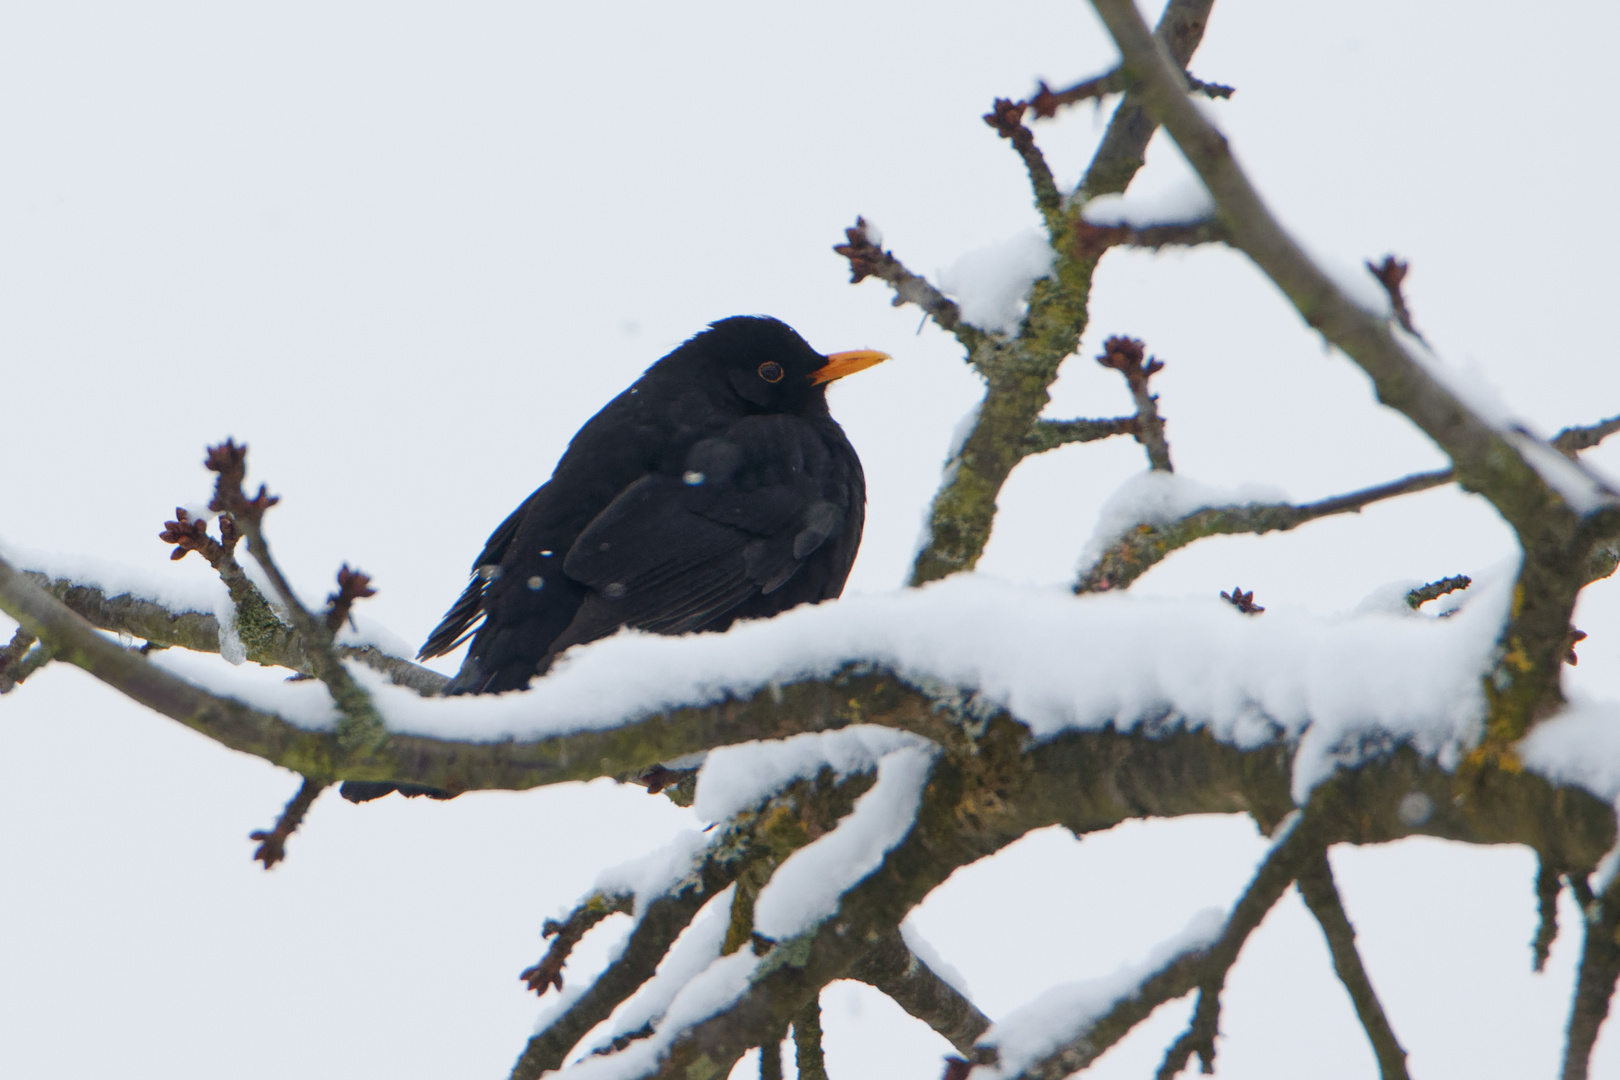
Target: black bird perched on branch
x=715, y=488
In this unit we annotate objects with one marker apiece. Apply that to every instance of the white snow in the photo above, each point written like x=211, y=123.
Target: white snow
x=1584, y=490
x=1343, y=685
x=1159, y=498
x=1580, y=745
x=990, y=283
x=736, y=777
x=657, y=872
x=1065, y=1012
x=693, y=951
x=1185, y=202
x=714, y=989
x=806, y=888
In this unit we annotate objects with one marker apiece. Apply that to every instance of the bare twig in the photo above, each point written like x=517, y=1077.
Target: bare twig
x=1599, y=970
x=1572, y=440
x=1390, y=274
x=1007, y=118
x=361, y=728
x=1051, y=434
x=11, y=658
x=1046, y=102
x=352, y=585
x=1549, y=882
x=273, y=844
x=1243, y=601
x=1436, y=589
x=863, y=248
x=1146, y=545
x=1315, y=882
x=1092, y=240
x=1128, y=357
x=598, y=906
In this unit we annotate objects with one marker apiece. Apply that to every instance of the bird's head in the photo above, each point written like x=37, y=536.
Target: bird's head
x=768, y=365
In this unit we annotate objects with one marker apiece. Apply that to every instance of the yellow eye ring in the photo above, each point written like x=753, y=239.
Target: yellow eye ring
x=771, y=371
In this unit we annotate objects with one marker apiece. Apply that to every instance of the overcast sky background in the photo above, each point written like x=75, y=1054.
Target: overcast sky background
x=405, y=250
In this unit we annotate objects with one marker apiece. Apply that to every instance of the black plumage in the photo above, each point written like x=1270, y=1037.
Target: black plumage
x=716, y=488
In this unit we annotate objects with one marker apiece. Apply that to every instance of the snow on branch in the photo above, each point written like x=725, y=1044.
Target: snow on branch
x=1157, y=513
x=1559, y=513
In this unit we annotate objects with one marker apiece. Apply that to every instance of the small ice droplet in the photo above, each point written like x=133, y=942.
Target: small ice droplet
x=546, y=554
x=1416, y=808
x=693, y=479
x=537, y=582
x=614, y=589
x=489, y=571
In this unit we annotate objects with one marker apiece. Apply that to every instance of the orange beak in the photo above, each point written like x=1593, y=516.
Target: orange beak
x=840, y=364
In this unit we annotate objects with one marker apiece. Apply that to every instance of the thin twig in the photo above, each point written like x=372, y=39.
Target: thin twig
x=12, y=657
x=1572, y=440
x=1390, y=274
x=1092, y=240
x=361, y=728
x=547, y=973
x=1146, y=545
x=1007, y=118
x=273, y=844
x=1128, y=357
x=867, y=258
x=1549, y=882
x=1599, y=970
x=1436, y=589
x=1315, y=882
x=1050, y=434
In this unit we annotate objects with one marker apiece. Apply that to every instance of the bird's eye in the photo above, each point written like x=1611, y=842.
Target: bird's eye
x=770, y=371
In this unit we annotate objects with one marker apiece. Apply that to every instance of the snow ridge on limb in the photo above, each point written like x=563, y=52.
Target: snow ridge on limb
x=1558, y=521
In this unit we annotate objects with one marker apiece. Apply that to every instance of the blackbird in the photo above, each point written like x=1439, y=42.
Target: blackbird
x=715, y=488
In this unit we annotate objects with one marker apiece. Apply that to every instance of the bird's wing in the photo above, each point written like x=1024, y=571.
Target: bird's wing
x=465, y=613
x=674, y=553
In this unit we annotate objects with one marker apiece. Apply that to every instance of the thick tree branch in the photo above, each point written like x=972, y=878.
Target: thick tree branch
x=1141, y=548
x=1019, y=371
x=1507, y=468
x=1315, y=881
x=807, y=1055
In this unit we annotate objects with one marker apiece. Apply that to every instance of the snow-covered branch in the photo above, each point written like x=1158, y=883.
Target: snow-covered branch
x=1559, y=511
x=1125, y=553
